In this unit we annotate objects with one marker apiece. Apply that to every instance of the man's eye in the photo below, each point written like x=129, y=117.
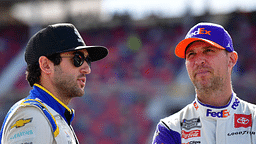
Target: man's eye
x=88, y=60
x=190, y=54
x=209, y=50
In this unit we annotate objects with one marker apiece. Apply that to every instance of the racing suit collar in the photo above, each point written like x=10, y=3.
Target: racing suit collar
x=48, y=98
x=213, y=112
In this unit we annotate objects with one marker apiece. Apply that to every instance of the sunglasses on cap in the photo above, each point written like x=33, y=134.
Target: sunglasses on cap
x=79, y=59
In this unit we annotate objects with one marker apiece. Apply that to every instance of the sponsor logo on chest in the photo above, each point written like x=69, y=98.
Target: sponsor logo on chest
x=239, y=133
x=223, y=113
x=219, y=114
x=191, y=123
x=242, y=120
x=192, y=142
x=190, y=134
x=21, y=122
x=26, y=133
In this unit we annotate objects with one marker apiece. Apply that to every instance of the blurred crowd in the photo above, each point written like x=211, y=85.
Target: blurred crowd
x=140, y=81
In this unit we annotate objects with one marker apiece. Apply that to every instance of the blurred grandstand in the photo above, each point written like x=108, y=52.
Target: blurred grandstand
x=139, y=82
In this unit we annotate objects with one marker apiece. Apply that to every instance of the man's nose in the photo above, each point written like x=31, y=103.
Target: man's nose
x=86, y=69
x=200, y=59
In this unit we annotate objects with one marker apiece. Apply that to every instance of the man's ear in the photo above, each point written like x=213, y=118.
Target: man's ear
x=46, y=65
x=233, y=58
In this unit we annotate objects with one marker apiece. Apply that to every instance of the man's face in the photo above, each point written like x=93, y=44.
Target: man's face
x=208, y=67
x=70, y=80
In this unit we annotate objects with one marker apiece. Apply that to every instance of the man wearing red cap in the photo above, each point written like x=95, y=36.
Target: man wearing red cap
x=57, y=64
x=217, y=115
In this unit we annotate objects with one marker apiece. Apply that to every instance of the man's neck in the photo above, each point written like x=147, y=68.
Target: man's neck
x=214, y=98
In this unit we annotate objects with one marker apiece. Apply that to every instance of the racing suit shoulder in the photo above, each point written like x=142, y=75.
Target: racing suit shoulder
x=26, y=122
x=168, y=129
x=173, y=121
x=164, y=134
x=246, y=106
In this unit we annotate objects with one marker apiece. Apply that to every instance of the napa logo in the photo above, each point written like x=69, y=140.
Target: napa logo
x=221, y=114
x=21, y=122
x=199, y=31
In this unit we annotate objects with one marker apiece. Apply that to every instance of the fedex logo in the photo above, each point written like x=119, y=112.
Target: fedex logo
x=195, y=105
x=221, y=114
x=199, y=31
x=235, y=104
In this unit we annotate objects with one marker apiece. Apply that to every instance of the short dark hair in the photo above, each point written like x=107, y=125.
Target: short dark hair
x=33, y=71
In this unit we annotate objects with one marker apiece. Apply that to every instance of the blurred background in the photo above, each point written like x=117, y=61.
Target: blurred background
x=141, y=80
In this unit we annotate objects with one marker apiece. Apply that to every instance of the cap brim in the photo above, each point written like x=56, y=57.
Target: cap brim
x=95, y=52
x=181, y=47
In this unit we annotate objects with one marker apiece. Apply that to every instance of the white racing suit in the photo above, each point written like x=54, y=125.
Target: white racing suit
x=38, y=119
x=199, y=123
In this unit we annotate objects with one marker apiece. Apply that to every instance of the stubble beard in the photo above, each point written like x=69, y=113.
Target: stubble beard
x=67, y=85
x=210, y=85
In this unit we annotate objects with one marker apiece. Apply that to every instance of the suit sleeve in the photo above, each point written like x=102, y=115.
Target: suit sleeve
x=27, y=125
x=164, y=135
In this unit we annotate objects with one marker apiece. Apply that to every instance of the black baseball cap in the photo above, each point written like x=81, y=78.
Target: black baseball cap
x=59, y=38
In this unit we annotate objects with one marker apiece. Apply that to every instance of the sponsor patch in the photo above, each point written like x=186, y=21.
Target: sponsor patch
x=193, y=142
x=195, y=105
x=241, y=133
x=190, y=134
x=191, y=123
x=25, y=133
x=220, y=114
x=242, y=120
x=21, y=122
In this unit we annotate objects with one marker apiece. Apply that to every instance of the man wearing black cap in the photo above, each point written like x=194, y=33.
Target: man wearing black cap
x=217, y=115
x=57, y=64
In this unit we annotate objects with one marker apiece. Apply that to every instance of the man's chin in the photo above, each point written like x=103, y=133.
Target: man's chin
x=78, y=92
x=81, y=93
x=204, y=84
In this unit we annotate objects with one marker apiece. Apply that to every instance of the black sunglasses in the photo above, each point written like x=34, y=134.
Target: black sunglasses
x=79, y=59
